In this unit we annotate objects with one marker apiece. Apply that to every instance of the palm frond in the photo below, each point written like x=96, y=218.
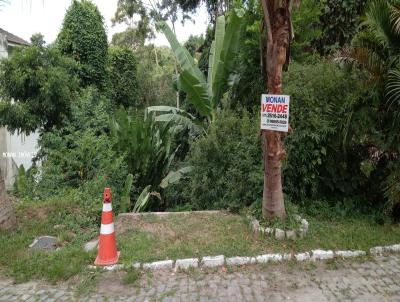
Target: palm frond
x=393, y=88
x=395, y=18
x=379, y=20
x=391, y=187
x=365, y=58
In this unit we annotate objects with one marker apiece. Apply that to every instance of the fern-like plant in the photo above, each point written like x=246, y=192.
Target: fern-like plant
x=146, y=145
x=147, y=148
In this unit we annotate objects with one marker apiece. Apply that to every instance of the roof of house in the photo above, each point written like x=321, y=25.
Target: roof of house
x=13, y=38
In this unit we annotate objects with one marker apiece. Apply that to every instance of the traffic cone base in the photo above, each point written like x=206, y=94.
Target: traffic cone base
x=100, y=262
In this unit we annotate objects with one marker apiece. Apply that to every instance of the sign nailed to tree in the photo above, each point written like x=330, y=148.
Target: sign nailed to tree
x=275, y=112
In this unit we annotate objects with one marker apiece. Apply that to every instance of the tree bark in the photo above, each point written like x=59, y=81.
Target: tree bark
x=277, y=24
x=7, y=216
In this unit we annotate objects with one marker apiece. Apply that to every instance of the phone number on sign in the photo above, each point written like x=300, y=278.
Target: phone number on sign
x=277, y=122
x=275, y=115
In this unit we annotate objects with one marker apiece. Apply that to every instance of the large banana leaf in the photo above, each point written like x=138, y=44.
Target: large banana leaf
x=181, y=121
x=174, y=177
x=205, y=97
x=210, y=68
x=183, y=57
x=215, y=55
x=226, y=61
x=169, y=109
x=178, y=117
x=196, y=91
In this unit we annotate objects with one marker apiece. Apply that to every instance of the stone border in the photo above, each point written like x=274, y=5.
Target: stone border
x=167, y=214
x=220, y=261
x=278, y=233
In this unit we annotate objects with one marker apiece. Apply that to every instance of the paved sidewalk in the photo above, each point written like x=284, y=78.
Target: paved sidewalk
x=372, y=280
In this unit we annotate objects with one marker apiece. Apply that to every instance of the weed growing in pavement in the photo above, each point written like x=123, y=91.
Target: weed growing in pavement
x=132, y=276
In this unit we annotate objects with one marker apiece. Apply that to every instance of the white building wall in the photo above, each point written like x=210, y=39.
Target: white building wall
x=3, y=46
x=15, y=149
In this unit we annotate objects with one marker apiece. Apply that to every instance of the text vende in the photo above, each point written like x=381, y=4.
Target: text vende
x=274, y=108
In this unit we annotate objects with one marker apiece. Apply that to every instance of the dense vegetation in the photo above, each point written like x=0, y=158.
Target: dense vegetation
x=344, y=84
x=83, y=38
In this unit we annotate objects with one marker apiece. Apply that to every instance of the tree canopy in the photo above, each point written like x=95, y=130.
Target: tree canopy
x=83, y=38
x=37, y=86
x=123, y=76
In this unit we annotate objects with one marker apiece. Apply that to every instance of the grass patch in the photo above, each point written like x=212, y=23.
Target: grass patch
x=87, y=284
x=55, y=217
x=197, y=235
x=132, y=276
x=157, y=238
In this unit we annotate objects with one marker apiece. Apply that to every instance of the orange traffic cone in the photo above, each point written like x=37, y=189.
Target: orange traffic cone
x=107, y=252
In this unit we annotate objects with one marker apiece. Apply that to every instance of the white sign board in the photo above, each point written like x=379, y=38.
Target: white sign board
x=275, y=112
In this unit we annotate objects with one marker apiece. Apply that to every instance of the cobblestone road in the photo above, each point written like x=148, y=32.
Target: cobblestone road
x=369, y=280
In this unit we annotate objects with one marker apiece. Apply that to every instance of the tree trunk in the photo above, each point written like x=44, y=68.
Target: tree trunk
x=7, y=216
x=273, y=202
x=278, y=29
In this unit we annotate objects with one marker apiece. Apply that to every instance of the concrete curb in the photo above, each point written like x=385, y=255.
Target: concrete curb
x=220, y=261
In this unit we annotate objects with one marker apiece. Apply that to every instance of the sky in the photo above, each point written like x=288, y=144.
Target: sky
x=26, y=17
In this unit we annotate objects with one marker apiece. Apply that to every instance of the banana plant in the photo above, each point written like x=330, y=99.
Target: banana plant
x=206, y=94
x=178, y=118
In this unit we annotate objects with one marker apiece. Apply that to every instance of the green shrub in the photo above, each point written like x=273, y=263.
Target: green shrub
x=83, y=38
x=83, y=161
x=307, y=29
x=327, y=151
x=155, y=71
x=123, y=76
x=227, y=164
x=313, y=90
x=19, y=188
x=37, y=87
x=80, y=154
x=76, y=158
x=339, y=22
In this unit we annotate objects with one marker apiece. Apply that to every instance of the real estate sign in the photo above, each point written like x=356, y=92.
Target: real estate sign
x=275, y=112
